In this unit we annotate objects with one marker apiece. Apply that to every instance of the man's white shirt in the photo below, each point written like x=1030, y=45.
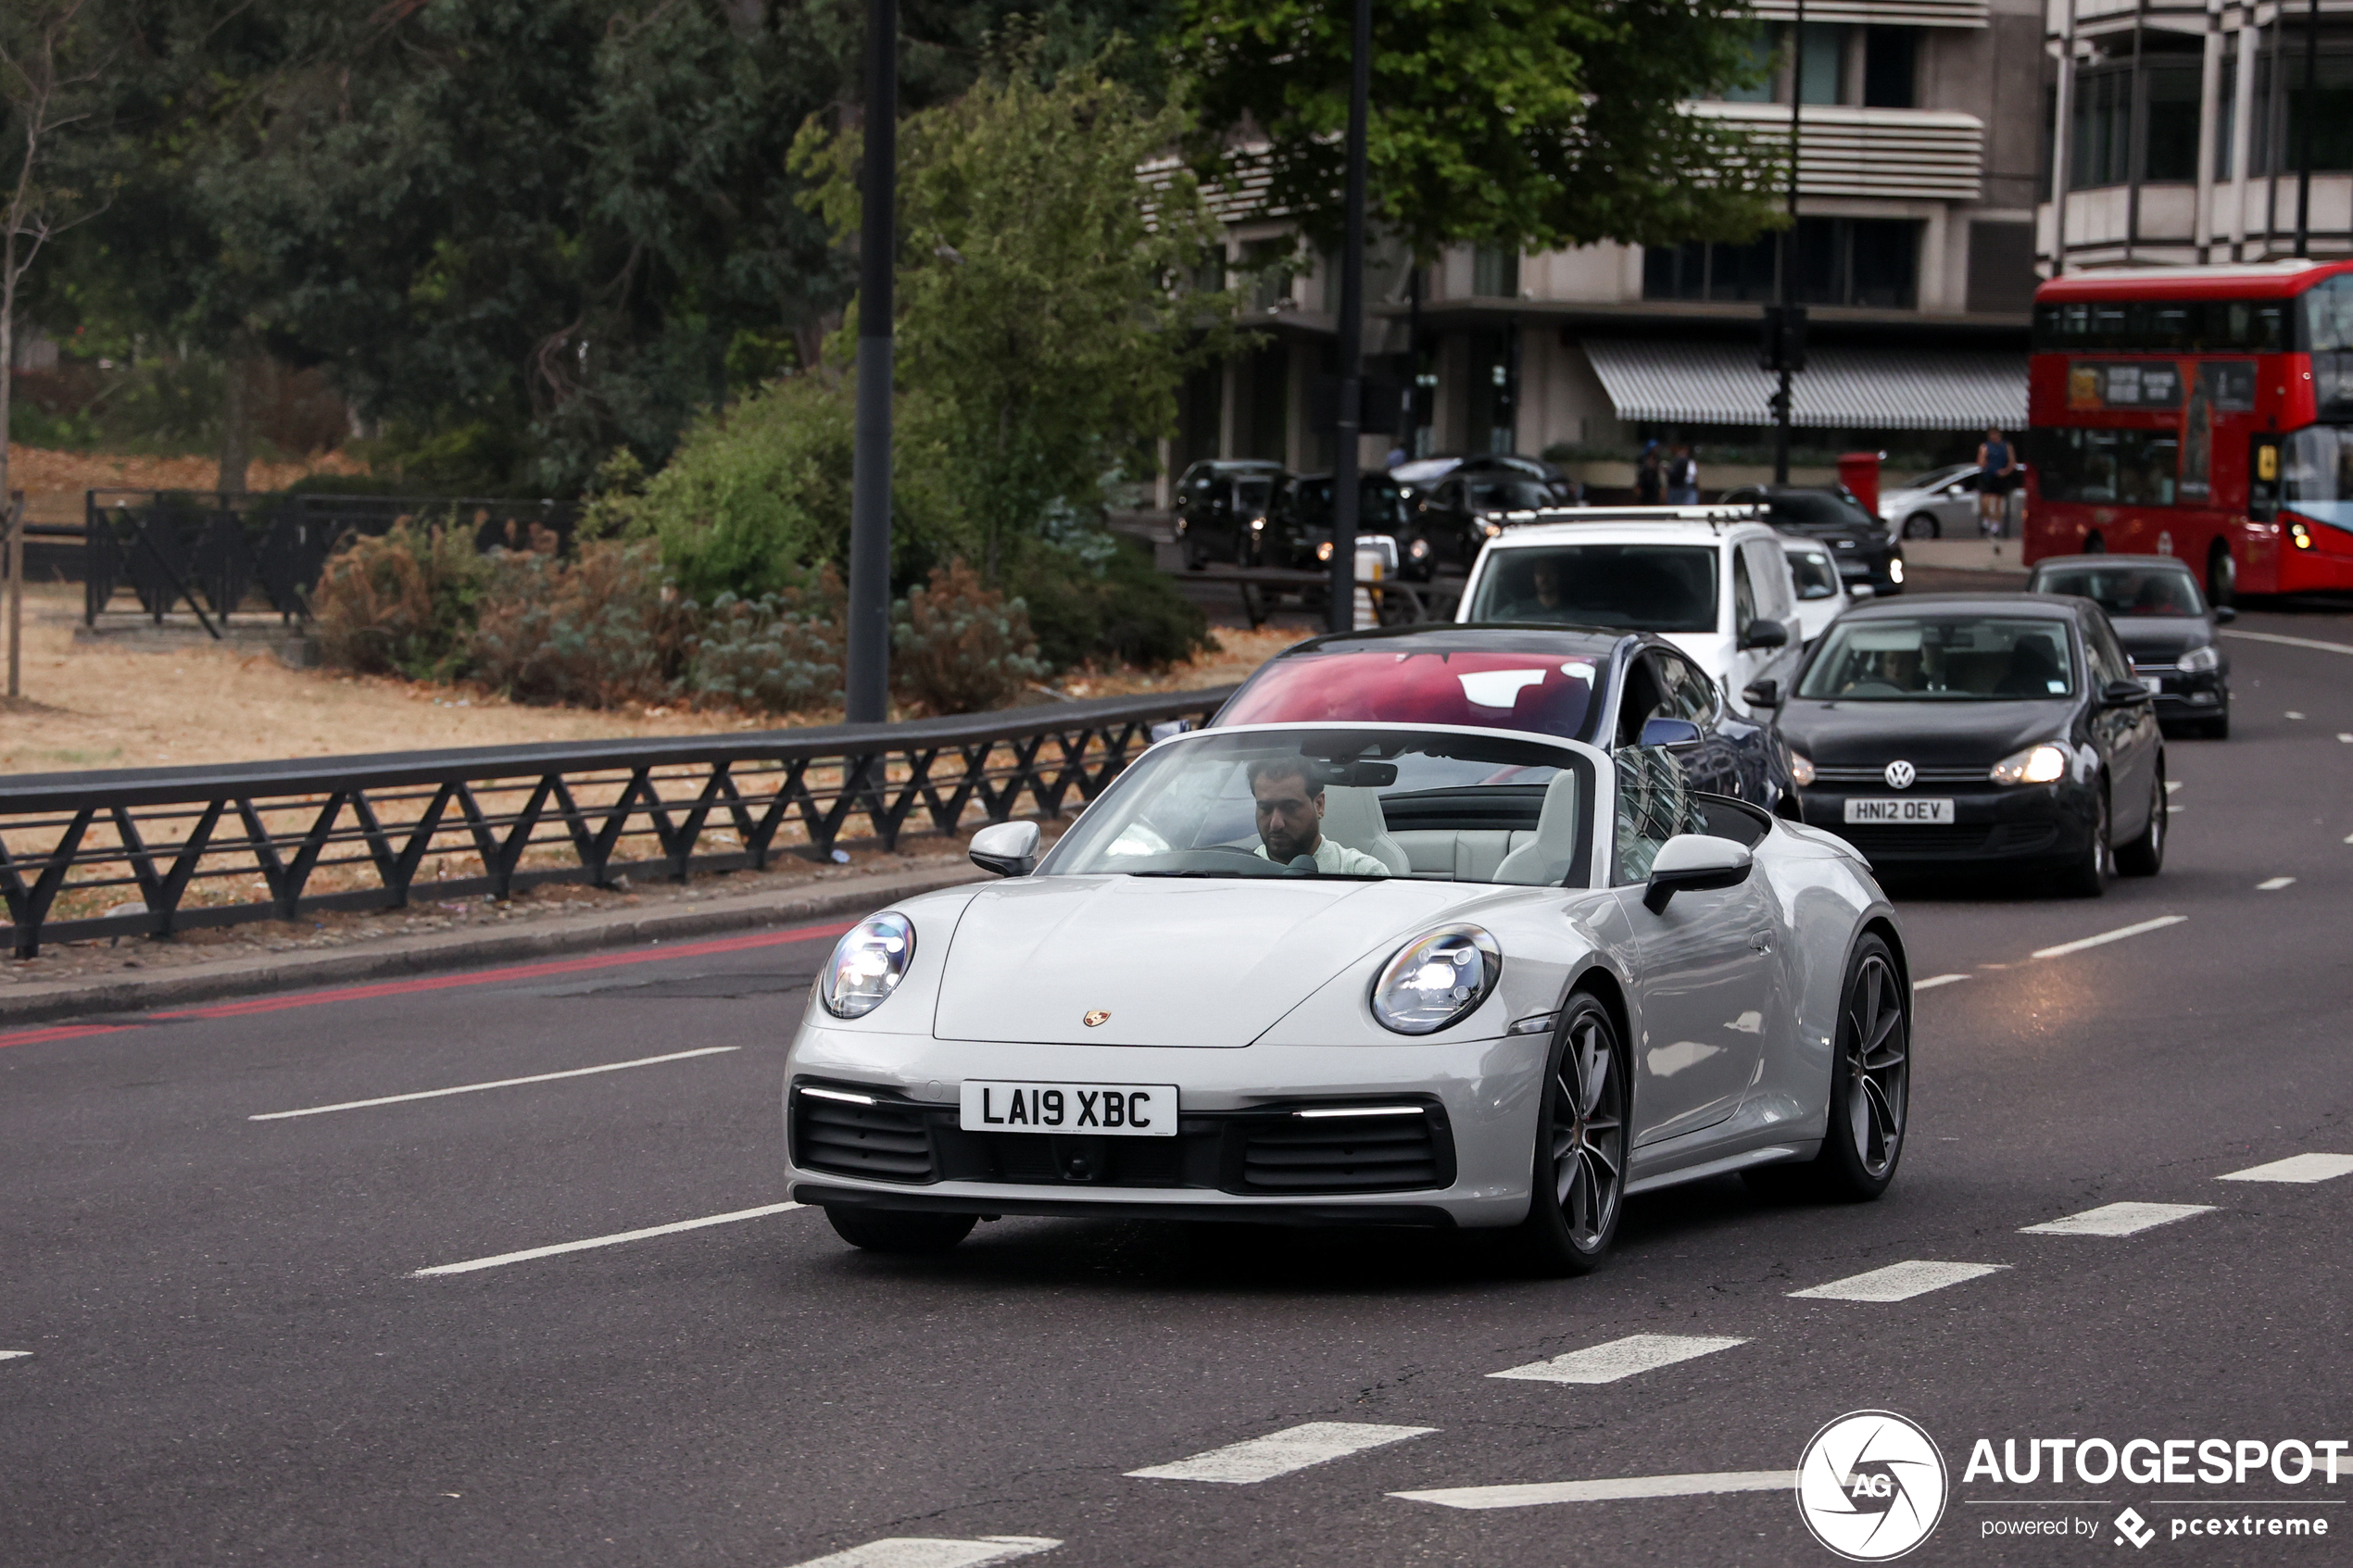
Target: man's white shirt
x=1340, y=859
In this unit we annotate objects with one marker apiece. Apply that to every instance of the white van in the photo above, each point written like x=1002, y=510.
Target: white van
x=1719, y=590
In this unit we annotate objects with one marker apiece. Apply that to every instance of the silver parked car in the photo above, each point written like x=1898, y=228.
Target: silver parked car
x=1366, y=973
x=1934, y=505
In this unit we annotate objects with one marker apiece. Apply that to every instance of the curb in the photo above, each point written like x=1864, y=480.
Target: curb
x=462, y=949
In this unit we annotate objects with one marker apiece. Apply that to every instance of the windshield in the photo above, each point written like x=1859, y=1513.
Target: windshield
x=1640, y=587
x=1496, y=691
x=1814, y=508
x=1513, y=495
x=2127, y=591
x=2318, y=473
x=1956, y=659
x=1361, y=804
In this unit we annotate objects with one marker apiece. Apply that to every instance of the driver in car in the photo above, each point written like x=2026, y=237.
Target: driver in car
x=1291, y=820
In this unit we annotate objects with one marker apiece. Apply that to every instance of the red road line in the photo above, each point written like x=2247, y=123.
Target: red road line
x=449, y=981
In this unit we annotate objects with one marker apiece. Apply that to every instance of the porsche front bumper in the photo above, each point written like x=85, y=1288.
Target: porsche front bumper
x=1242, y=1150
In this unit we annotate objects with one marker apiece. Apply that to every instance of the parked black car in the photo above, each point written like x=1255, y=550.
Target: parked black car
x=1864, y=550
x=1611, y=689
x=1459, y=512
x=1960, y=729
x=1303, y=522
x=1225, y=508
x=2165, y=625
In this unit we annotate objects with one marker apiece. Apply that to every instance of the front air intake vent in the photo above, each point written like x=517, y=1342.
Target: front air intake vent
x=1337, y=1154
x=883, y=1140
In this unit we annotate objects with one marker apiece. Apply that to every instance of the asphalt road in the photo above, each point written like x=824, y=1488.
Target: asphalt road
x=228, y=1353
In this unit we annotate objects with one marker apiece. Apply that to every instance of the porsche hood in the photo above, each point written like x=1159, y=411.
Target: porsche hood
x=1165, y=961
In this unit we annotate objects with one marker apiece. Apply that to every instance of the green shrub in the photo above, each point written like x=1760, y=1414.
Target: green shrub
x=604, y=629
x=1096, y=597
x=960, y=646
x=400, y=603
x=780, y=653
x=752, y=502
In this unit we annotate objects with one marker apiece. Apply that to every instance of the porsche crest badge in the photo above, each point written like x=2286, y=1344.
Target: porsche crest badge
x=1094, y=1018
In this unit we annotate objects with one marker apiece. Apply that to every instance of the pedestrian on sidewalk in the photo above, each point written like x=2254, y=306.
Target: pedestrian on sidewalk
x=1683, y=477
x=1996, y=475
x=1650, y=477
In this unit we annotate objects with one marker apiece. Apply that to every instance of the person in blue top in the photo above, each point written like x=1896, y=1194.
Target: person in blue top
x=1996, y=476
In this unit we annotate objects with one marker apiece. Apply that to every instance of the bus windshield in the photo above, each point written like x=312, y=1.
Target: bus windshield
x=2319, y=467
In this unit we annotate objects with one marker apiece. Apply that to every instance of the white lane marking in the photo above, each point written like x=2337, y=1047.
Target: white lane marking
x=2172, y=784
x=1899, y=1282
x=2118, y=1219
x=2172, y=810
x=1280, y=1453
x=2290, y=642
x=1534, y=1493
x=2294, y=714
x=2122, y=932
x=1620, y=1358
x=2275, y=884
x=494, y=1083
x=614, y=1240
x=13, y=1355
x=919, y=1552
x=2296, y=1168
x=2343, y=736
x=1933, y=980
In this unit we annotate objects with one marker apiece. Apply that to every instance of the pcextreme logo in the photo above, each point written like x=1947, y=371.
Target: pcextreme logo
x=1872, y=1486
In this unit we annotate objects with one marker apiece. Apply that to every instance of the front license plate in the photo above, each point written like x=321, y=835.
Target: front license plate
x=1903, y=810
x=1130, y=1111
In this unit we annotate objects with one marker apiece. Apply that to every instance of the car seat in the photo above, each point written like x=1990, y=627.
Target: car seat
x=2031, y=670
x=1353, y=817
x=1544, y=862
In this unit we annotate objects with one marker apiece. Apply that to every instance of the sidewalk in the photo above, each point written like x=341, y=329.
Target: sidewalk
x=1965, y=555
x=378, y=958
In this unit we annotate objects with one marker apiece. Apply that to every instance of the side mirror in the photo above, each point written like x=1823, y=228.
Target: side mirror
x=1763, y=693
x=1763, y=633
x=1694, y=862
x=1860, y=590
x=1006, y=848
x=1675, y=734
x=2123, y=694
x=2224, y=614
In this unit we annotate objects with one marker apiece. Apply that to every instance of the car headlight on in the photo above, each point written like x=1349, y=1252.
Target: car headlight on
x=1435, y=980
x=1419, y=550
x=2037, y=764
x=1801, y=769
x=2199, y=660
x=1324, y=550
x=867, y=965
x=1489, y=527
x=1896, y=570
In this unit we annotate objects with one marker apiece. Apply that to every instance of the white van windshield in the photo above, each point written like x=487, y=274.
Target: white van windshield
x=1640, y=587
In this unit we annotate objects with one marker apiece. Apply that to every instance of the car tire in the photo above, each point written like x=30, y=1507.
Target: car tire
x=2216, y=728
x=1870, y=1079
x=1578, y=1183
x=903, y=1231
x=1196, y=556
x=2221, y=576
x=1922, y=525
x=2089, y=874
x=2094, y=546
x=2145, y=854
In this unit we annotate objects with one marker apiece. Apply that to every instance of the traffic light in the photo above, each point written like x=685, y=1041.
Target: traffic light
x=1783, y=346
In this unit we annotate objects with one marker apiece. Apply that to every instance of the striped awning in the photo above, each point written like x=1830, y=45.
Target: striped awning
x=1659, y=381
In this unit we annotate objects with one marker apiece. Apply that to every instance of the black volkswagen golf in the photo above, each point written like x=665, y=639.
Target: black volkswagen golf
x=1967, y=730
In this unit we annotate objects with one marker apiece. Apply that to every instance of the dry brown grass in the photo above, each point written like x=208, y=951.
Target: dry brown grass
x=53, y=481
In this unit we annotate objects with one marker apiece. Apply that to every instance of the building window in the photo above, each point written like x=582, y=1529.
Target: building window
x=1891, y=68
x=1821, y=62
x=1757, y=62
x=1869, y=262
x=2102, y=134
x=2109, y=143
x=2279, y=133
x=2170, y=153
x=1495, y=273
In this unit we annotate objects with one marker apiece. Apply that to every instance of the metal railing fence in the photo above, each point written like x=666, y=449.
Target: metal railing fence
x=153, y=851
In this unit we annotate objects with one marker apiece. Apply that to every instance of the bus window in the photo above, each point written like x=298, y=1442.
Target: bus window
x=2328, y=316
x=2263, y=479
x=2127, y=467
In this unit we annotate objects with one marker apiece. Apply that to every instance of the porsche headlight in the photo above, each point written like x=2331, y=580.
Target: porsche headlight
x=1801, y=769
x=868, y=964
x=2200, y=659
x=1437, y=980
x=2037, y=764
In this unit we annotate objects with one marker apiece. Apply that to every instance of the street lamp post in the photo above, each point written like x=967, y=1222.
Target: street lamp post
x=1350, y=412
x=867, y=687
x=1784, y=322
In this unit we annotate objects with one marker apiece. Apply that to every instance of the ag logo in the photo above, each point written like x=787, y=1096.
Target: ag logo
x=2130, y=1526
x=1096, y=1018
x=1900, y=774
x=1872, y=1486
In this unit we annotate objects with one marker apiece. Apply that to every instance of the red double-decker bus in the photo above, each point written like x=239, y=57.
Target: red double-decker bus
x=2203, y=412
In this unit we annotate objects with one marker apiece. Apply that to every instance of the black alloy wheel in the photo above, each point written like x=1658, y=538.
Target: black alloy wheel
x=1921, y=525
x=2144, y=856
x=1579, y=1185
x=1871, y=1080
x=903, y=1231
x=2089, y=876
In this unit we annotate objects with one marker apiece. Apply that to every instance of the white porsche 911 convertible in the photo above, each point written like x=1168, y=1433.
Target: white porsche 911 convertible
x=1227, y=993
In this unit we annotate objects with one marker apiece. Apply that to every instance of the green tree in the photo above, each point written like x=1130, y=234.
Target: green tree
x=1044, y=311
x=1539, y=124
